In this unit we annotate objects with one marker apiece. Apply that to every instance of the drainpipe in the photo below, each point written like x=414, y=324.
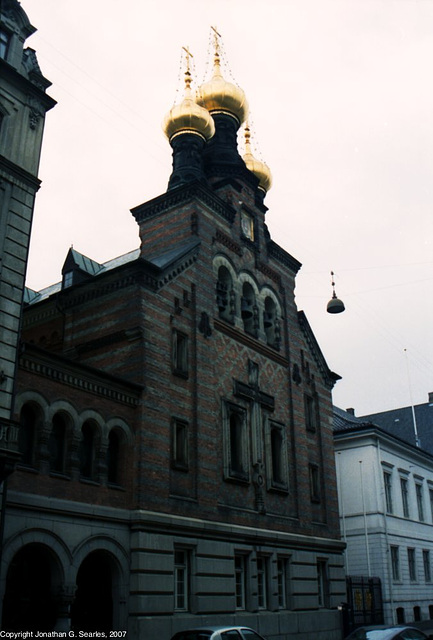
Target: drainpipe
x=385, y=521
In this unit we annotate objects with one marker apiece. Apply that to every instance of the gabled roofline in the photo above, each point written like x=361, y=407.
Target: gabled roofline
x=329, y=376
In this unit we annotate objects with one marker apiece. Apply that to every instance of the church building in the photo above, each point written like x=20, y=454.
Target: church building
x=175, y=418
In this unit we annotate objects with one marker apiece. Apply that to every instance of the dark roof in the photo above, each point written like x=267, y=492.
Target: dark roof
x=399, y=423
x=402, y=423
x=344, y=420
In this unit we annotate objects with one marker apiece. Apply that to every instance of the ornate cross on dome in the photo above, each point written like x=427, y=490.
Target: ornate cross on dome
x=216, y=44
x=188, y=71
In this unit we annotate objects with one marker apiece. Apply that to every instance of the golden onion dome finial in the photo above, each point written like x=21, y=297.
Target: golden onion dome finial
x=188, y=116
x=218, y=95
x=259, y=168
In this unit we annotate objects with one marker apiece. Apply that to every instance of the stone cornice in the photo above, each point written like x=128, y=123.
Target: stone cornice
x=64, y=371
x=227, y=242
x=181, y=196
x=9, y=169
x=279, y=254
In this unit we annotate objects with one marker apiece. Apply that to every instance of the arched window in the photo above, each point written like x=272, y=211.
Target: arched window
x=27, y=434
x=225, y=294
x=113, y=457
x=57, y=444
x=249, y=309
x=400, y=615
x=271, y=324
x=87, y=451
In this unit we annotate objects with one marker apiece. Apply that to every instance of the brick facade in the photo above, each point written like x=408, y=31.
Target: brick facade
x=177, y=431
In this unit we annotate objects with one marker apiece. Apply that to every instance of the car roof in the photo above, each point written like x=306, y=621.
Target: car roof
x=224, y=627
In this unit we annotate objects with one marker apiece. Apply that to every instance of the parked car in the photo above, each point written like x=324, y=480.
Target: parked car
x=218, y=633
x=383, y=632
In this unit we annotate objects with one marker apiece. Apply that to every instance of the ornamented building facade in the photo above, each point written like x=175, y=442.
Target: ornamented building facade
x=176, y=419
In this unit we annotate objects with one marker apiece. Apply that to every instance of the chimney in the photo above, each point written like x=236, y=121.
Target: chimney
x=430, y=397
x=352, y=411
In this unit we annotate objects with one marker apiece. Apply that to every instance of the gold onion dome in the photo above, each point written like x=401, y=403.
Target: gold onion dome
x=260, y=169
x=219, y=95
x=188, y=116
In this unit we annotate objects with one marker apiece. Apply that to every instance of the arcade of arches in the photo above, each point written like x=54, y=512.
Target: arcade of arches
x=37, y=600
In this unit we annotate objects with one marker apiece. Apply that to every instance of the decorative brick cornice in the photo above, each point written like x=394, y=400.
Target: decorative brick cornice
x=61, y=370
x=269, y=273
x=230, y=244
x=278, y=253
x=250, y=342
x=181, y=196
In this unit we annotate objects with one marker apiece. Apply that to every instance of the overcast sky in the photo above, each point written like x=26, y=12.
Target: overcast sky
x=341, y=99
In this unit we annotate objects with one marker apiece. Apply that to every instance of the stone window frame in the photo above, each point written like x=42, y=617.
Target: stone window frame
x=388, y=491
x=411, y=563
x=283, y=582
x=281, y=484
x=395, y=562
x=231, y=473
x=323, y=585
x=314, y=482
x=404, y=487
x=179, y=462
x=311, y=411
x=263, y=581
x=180, y=353
x=426, y=561
x=419, y=495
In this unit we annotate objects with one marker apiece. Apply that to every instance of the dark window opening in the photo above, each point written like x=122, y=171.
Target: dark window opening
x=249, y=312
x=57, y=444
x=180, y=354
x=113, y=457
x=314, y=483
x=87, y=451
x=27, y=435
x=180, y=445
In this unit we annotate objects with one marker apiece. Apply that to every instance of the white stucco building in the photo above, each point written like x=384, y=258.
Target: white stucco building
x=386, y=510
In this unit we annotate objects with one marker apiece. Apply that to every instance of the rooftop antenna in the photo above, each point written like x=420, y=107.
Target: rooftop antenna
x=335, y=305
x=415, y=429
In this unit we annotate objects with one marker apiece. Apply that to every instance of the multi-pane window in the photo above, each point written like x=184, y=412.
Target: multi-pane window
x=282, y=582
x=395, y=563
x=322, y=583
x=411, y=559
x=405, y=497
x=310, y=412
x=179, y=444
x=262, y=580
x=314, y=483
x=240, y=581
x=426, y=563
x=419, y=501
x=387, y=481
x=180, y=354
x=181, y=579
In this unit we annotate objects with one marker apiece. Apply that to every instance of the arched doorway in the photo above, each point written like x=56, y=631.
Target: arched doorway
x=28, y=602
x=92, y=609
